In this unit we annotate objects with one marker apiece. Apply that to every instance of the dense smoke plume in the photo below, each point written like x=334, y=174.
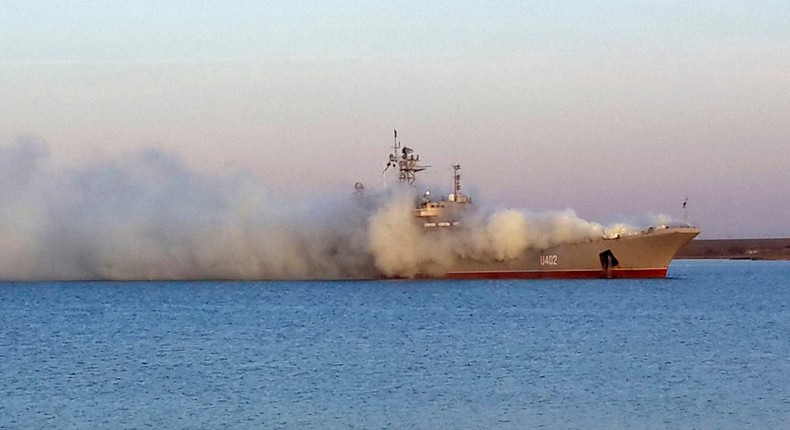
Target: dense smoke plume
x=146, y=215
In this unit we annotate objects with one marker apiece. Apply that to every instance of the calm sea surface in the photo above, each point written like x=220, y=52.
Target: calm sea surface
x=708, y=348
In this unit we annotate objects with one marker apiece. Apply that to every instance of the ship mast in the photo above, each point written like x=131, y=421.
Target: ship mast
x=406, y=160
x=456, y=196
x=456, y=179
x=395, y=145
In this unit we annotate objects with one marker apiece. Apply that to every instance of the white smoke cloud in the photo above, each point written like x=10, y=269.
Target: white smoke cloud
x=146, y=215
x=401, y=247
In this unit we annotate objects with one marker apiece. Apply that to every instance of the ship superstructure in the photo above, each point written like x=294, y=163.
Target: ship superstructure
x=431, y=212
x=636, y=254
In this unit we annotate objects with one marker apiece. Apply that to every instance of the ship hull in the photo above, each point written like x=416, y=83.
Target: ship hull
x=643, y=255
x=559, y=274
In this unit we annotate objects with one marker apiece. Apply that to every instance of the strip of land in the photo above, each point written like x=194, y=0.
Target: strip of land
x=737, y=249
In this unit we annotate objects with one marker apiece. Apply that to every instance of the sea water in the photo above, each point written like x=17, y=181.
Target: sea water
x=709, y=347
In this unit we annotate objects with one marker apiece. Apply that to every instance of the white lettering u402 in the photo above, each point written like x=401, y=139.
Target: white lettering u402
x=548, y=259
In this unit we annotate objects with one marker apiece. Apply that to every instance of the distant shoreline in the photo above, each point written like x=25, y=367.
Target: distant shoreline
x=737, y=249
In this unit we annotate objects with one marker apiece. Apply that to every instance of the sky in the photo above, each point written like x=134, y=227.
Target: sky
x=619, y=110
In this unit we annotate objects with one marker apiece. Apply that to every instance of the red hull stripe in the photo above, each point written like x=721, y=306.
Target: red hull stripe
x=560, y=274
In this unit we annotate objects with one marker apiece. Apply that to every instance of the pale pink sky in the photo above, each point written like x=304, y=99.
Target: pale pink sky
x=613, y=110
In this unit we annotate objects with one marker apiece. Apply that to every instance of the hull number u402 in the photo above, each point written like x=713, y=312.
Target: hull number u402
x=548, y=259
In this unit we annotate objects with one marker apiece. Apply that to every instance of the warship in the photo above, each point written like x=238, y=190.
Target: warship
x=638, y=253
